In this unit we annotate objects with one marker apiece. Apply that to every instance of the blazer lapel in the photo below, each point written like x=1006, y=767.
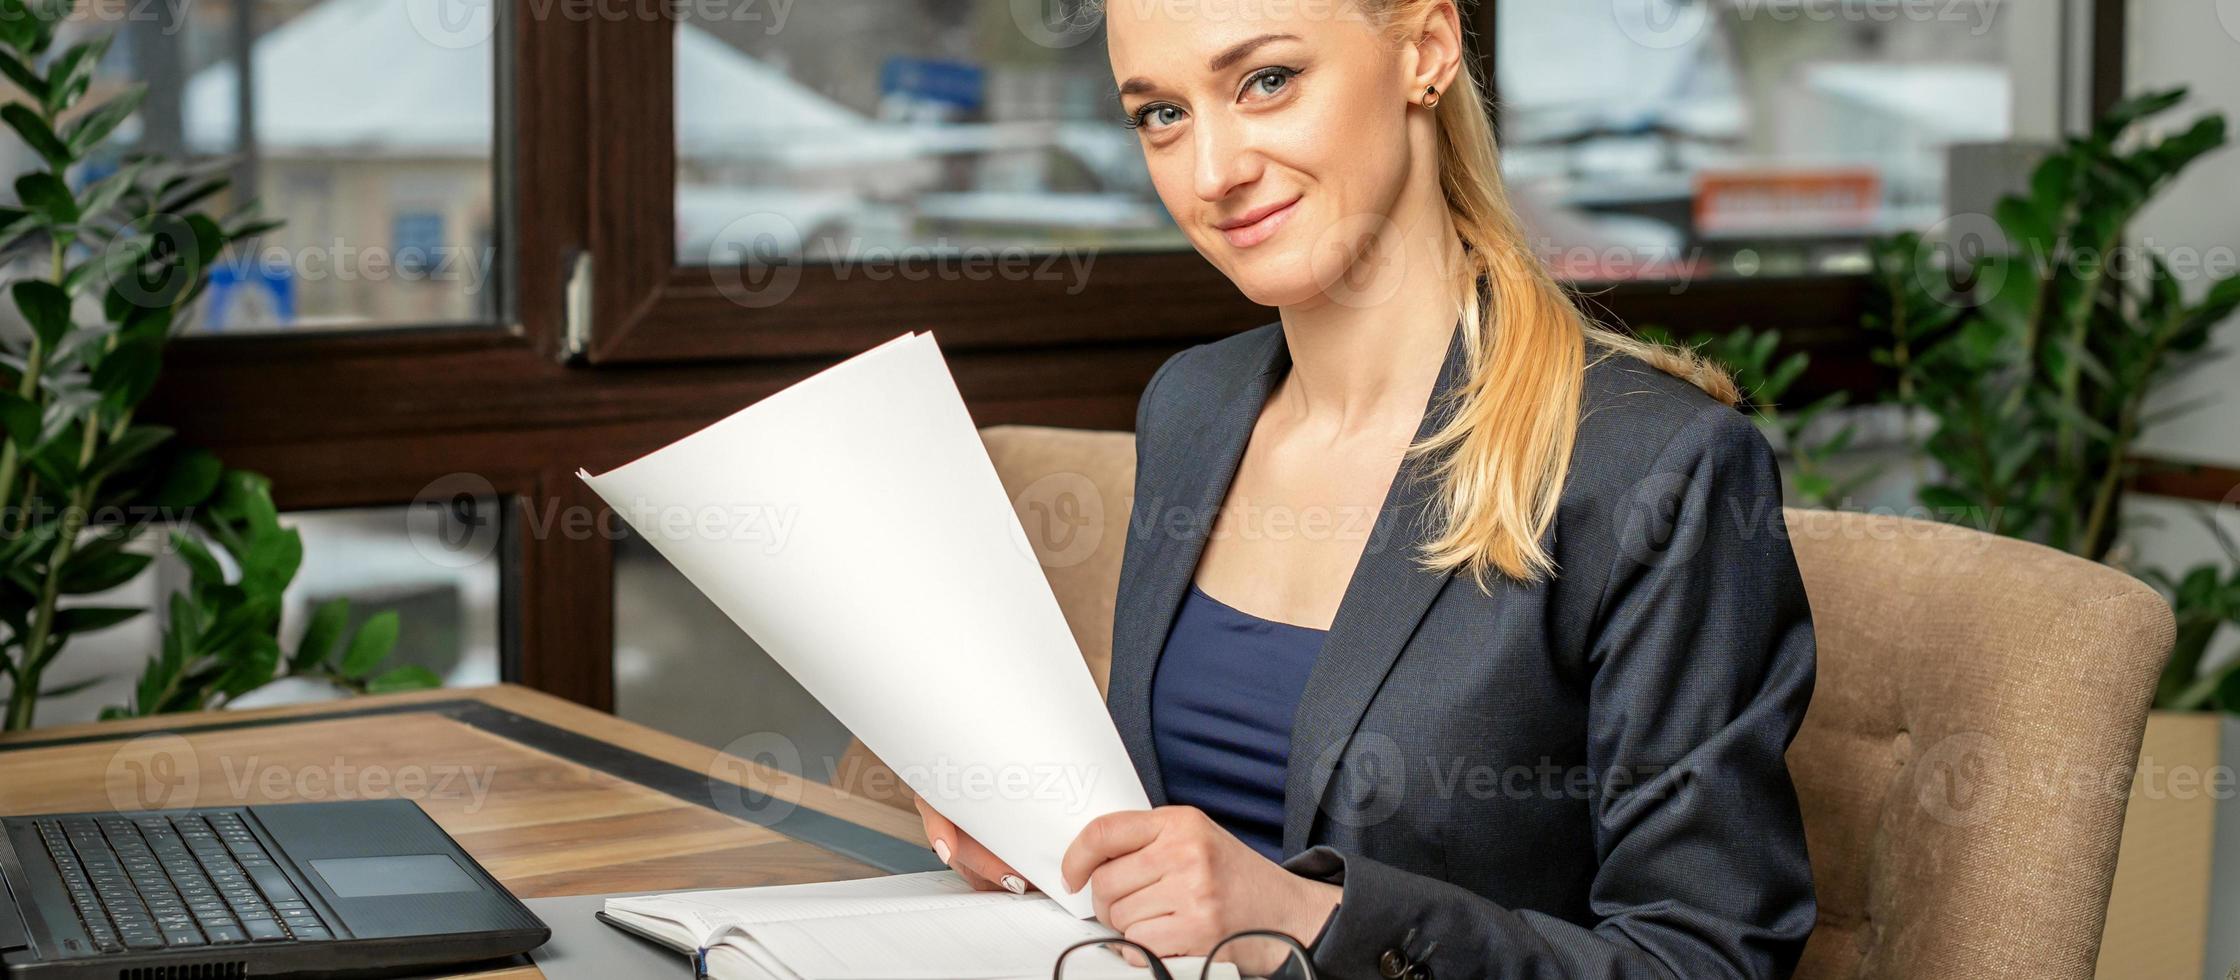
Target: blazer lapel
x=1385, y=600
x=1197, y=481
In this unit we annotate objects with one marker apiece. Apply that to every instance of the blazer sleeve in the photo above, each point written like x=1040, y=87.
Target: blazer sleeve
x=1701, y=668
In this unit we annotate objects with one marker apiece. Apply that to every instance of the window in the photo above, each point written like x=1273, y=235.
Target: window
x=366, y=124
x=1690, y=138
x=851, y=130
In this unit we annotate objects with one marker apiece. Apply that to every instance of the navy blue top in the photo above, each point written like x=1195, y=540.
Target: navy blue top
x=1222, y=699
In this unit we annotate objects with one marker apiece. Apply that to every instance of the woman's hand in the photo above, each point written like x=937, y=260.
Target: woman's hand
x=1177, y=883
x=979, y=866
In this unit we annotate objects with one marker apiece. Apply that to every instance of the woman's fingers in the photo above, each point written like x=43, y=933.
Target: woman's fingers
x=969, y=856
x=1105, y=838
x=980, y=868
x=1119, y=878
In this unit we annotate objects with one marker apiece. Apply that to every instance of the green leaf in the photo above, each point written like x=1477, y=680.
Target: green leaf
x=65, y=690
x=410, y=677
x=38, y=136
x=45, y=307
x=73, y=71
x=48, y=197
x=2228, y=689
x=20, y=421
x=321, y=634
x=249, y=665
x=272, y=561
x=127, y=374
x=98, y=124
x=190, y=480
x=22, y=74
x=103, y=574
x=375, y=638
x=202, y=566
x=87, y=619
x=136, y=441
x=2123, y=114
x=255, y=617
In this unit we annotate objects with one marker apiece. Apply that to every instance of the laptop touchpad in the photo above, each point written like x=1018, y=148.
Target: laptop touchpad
x=403, y=874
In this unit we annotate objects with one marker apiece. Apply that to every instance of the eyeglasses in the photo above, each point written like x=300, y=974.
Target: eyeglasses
x=1256, y=953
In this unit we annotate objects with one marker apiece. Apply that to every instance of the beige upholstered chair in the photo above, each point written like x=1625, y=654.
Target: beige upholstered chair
x=1966, y=761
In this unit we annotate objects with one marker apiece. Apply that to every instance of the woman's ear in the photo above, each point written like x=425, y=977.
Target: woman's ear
x=1433, y=42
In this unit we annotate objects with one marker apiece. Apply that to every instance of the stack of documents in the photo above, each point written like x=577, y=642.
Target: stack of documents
x=903, y=595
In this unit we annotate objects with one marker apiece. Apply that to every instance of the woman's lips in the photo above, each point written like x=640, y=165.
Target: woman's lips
x=1246, y=236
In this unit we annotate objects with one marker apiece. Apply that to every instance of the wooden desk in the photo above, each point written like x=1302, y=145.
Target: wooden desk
x=553, y=798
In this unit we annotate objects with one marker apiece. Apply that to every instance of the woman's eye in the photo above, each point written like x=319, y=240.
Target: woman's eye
x=1268, y=81
x=1157, y=116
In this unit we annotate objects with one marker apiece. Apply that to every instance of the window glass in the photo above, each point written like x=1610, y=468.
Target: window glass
x=682, y=666
x=848, y=130
x=1679, y=138
x=367, y=126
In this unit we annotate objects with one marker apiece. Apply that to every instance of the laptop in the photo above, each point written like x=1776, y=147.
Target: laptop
x=359, y=889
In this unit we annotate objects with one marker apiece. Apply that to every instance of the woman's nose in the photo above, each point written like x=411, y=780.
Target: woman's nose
x=1225, y=158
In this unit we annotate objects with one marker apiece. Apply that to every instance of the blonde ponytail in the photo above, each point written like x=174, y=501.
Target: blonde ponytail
x=1501, y=458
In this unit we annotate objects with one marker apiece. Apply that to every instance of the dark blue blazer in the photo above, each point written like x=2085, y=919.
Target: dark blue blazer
x=1582, y=777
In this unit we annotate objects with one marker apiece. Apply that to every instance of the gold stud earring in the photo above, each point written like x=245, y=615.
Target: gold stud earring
x=1431, y=96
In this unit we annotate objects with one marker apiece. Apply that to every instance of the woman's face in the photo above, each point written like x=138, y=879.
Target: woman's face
x=1276, y=133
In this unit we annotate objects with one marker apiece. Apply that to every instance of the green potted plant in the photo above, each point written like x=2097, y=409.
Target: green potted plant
x=102, y=274
x=2036, y=363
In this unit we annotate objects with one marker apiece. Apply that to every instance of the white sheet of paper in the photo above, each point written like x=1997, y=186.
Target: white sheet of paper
x=854, y=526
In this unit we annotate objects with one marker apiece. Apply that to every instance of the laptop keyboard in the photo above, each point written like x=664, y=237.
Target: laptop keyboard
x=176, y=880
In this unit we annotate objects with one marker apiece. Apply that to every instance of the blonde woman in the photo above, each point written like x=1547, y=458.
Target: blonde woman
x=1456, y=635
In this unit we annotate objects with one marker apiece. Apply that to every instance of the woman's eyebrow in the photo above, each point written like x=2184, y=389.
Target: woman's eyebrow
x=1233, y=54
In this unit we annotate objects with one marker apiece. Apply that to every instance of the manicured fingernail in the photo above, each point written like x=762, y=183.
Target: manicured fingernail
x=1012, y=884
x=941, y=849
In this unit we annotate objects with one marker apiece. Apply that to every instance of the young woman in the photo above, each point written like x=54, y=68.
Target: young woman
x=1477, y=645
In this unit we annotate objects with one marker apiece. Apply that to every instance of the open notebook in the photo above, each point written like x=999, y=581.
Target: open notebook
x=928, y=926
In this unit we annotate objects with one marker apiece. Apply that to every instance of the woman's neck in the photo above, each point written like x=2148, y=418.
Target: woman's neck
x=1366, y=354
